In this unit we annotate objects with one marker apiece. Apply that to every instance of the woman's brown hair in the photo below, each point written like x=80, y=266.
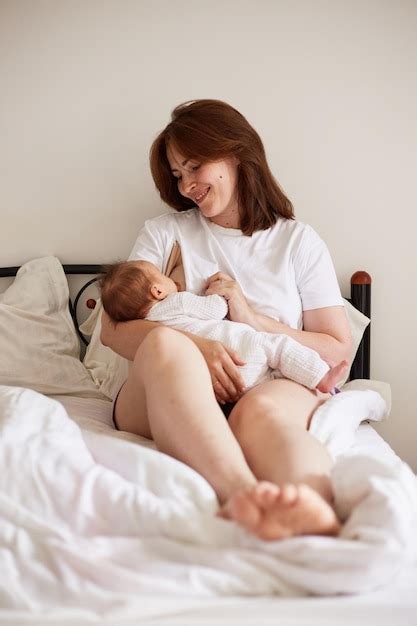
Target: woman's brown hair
x=211, y=130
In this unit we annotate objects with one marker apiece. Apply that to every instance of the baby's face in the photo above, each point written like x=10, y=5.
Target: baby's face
x=167, y=283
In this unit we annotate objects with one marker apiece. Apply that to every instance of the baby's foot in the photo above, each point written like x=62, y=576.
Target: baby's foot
x=271, y=512
x=330, y=380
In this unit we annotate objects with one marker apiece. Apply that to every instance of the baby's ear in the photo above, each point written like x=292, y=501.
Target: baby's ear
x=157, y=292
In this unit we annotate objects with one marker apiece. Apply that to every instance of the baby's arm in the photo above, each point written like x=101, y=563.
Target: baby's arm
x=204, y=307
x=186, y=304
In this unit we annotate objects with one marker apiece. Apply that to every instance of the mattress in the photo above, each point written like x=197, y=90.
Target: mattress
x=394, y=607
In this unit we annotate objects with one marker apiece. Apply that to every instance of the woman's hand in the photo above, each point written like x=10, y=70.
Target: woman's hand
x=224, y=285
x=222, y=363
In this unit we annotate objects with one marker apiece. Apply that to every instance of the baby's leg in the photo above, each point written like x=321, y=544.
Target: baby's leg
x=330, y=380
x=294, y=361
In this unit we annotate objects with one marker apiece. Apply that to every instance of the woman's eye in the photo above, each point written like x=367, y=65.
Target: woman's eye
x=195, y=167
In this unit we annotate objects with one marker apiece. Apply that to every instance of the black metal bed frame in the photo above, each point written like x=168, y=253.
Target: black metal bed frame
x=77, y=269
x=360, y=297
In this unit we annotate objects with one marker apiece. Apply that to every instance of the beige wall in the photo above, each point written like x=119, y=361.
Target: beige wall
x=330, y=85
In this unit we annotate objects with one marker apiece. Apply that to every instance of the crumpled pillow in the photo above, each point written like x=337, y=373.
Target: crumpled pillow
x=39, y=346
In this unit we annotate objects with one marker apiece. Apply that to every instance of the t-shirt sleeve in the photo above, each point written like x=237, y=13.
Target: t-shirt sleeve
x=150, y=245
x=315, y=274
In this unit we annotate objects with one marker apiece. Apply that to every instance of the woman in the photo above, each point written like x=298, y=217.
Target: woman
x=238, y=238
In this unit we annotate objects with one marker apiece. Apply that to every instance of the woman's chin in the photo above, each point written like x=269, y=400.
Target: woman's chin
x=208, y=212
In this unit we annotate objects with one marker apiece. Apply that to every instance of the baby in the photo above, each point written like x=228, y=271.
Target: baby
x=138, y=290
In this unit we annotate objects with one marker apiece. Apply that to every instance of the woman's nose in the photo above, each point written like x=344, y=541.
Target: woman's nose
x=187, y=182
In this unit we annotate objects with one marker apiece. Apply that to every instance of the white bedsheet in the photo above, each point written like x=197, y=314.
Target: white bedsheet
x=94, y=525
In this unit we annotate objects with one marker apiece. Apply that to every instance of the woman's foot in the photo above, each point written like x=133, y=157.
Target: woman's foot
x=333, y=376
x=271, y=512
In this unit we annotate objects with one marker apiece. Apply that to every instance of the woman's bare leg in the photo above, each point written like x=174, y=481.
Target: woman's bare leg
x=270, y=423
x=168, y=396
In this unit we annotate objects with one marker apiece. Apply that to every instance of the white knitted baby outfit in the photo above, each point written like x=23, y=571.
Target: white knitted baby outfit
x=267, y=355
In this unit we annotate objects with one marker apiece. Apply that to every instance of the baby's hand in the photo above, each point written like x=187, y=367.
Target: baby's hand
x=224, y=285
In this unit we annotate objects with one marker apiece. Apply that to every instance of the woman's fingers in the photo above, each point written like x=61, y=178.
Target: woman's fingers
x=234, y=356
x=221, y=289
x=228, y=383
x=232, y=371
x=221, y=395
x=223, y=365
x=218, y=276
x=229, y=289
x=226, y=388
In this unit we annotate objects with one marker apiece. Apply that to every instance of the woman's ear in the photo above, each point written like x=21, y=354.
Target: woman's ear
x=157, y=292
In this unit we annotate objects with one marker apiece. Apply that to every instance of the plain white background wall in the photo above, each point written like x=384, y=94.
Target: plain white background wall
x=330, y=85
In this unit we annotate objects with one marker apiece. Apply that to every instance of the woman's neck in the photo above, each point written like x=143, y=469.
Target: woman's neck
x=228, y=219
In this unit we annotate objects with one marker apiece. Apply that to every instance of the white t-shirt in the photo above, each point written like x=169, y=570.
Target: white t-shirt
x=282, y=271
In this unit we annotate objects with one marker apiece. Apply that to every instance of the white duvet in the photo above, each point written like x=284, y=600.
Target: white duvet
x=89, y=519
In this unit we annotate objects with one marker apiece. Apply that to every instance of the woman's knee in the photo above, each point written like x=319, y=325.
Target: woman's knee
x=283, y=405
x=160, y=344
x=251, y=411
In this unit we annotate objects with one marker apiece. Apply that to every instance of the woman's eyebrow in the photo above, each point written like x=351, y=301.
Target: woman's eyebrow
x=183, y=164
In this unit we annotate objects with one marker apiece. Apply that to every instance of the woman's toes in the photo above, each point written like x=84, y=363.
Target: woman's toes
x=243, y=510
x=289, y=494
x=272, y=512
x=265, y=494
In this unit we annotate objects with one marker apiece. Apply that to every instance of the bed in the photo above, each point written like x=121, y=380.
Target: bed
x=99, y=527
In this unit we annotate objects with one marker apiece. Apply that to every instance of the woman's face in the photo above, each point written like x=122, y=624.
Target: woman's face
x=212, y=186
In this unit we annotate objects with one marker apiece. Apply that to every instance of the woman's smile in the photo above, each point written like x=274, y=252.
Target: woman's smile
x=212, y=185
x=198, y=199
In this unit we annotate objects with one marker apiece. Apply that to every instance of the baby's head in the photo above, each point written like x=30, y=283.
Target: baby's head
x=129, y=289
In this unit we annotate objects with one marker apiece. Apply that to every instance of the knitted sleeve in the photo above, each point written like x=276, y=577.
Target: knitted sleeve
x=186, y=304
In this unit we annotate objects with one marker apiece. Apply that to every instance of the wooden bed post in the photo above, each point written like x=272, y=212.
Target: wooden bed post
x=360, y=297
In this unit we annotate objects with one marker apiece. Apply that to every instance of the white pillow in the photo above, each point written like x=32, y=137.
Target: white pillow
x=39, y=347
x=363, y=384
x=109, y=370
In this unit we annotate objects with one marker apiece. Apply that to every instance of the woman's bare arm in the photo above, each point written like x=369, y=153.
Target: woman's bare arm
x=325, y=330
x=124, y=337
